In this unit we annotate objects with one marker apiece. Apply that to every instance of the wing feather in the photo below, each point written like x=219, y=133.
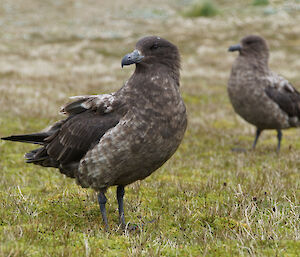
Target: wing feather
x=79, y=134
x=102, y=103
x=67, y=141
x=284, y=94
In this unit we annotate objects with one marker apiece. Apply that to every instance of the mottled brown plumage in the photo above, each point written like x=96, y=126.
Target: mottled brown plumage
x=260, y=96
x=119, y=138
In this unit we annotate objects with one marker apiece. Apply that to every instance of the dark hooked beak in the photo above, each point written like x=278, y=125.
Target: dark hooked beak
x=233, y=48
x=134, y=57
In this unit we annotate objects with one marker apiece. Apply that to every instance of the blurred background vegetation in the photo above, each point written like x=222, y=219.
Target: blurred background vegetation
x=207, y=200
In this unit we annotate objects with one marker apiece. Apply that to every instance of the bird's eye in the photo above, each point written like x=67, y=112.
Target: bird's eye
x=154, y=46
x=249, y=42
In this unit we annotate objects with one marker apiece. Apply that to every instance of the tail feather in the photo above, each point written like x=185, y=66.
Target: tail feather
x=40, y=157
x=36, y=138
x=36, y=155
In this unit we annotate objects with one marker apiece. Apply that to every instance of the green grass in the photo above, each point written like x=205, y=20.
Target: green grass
x=260, y=2
x=206, y=200
x=201, y=8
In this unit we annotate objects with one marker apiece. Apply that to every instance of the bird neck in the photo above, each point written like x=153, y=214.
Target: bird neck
x=146, y=70
x=260, y=64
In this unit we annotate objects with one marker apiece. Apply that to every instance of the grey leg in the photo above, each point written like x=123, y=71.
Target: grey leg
x=279, y=136
x=120, y=196
x=102, y=201
x=258, y=132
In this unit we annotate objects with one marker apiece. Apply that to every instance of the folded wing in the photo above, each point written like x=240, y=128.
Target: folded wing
x=67, y=141
x=284, y=94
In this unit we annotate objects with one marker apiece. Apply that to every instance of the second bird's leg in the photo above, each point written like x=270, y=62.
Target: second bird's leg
x=279, y=137
x=258, y=132
x=120, y=197
x=102, y=201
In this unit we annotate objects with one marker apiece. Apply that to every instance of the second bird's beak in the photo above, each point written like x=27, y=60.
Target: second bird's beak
x=134, y=57
x=233, y=48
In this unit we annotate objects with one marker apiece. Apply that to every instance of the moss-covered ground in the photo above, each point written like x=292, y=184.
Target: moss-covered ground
x=207, y=200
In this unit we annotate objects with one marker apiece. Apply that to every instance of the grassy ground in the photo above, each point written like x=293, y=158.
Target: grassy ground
x=207, y=200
